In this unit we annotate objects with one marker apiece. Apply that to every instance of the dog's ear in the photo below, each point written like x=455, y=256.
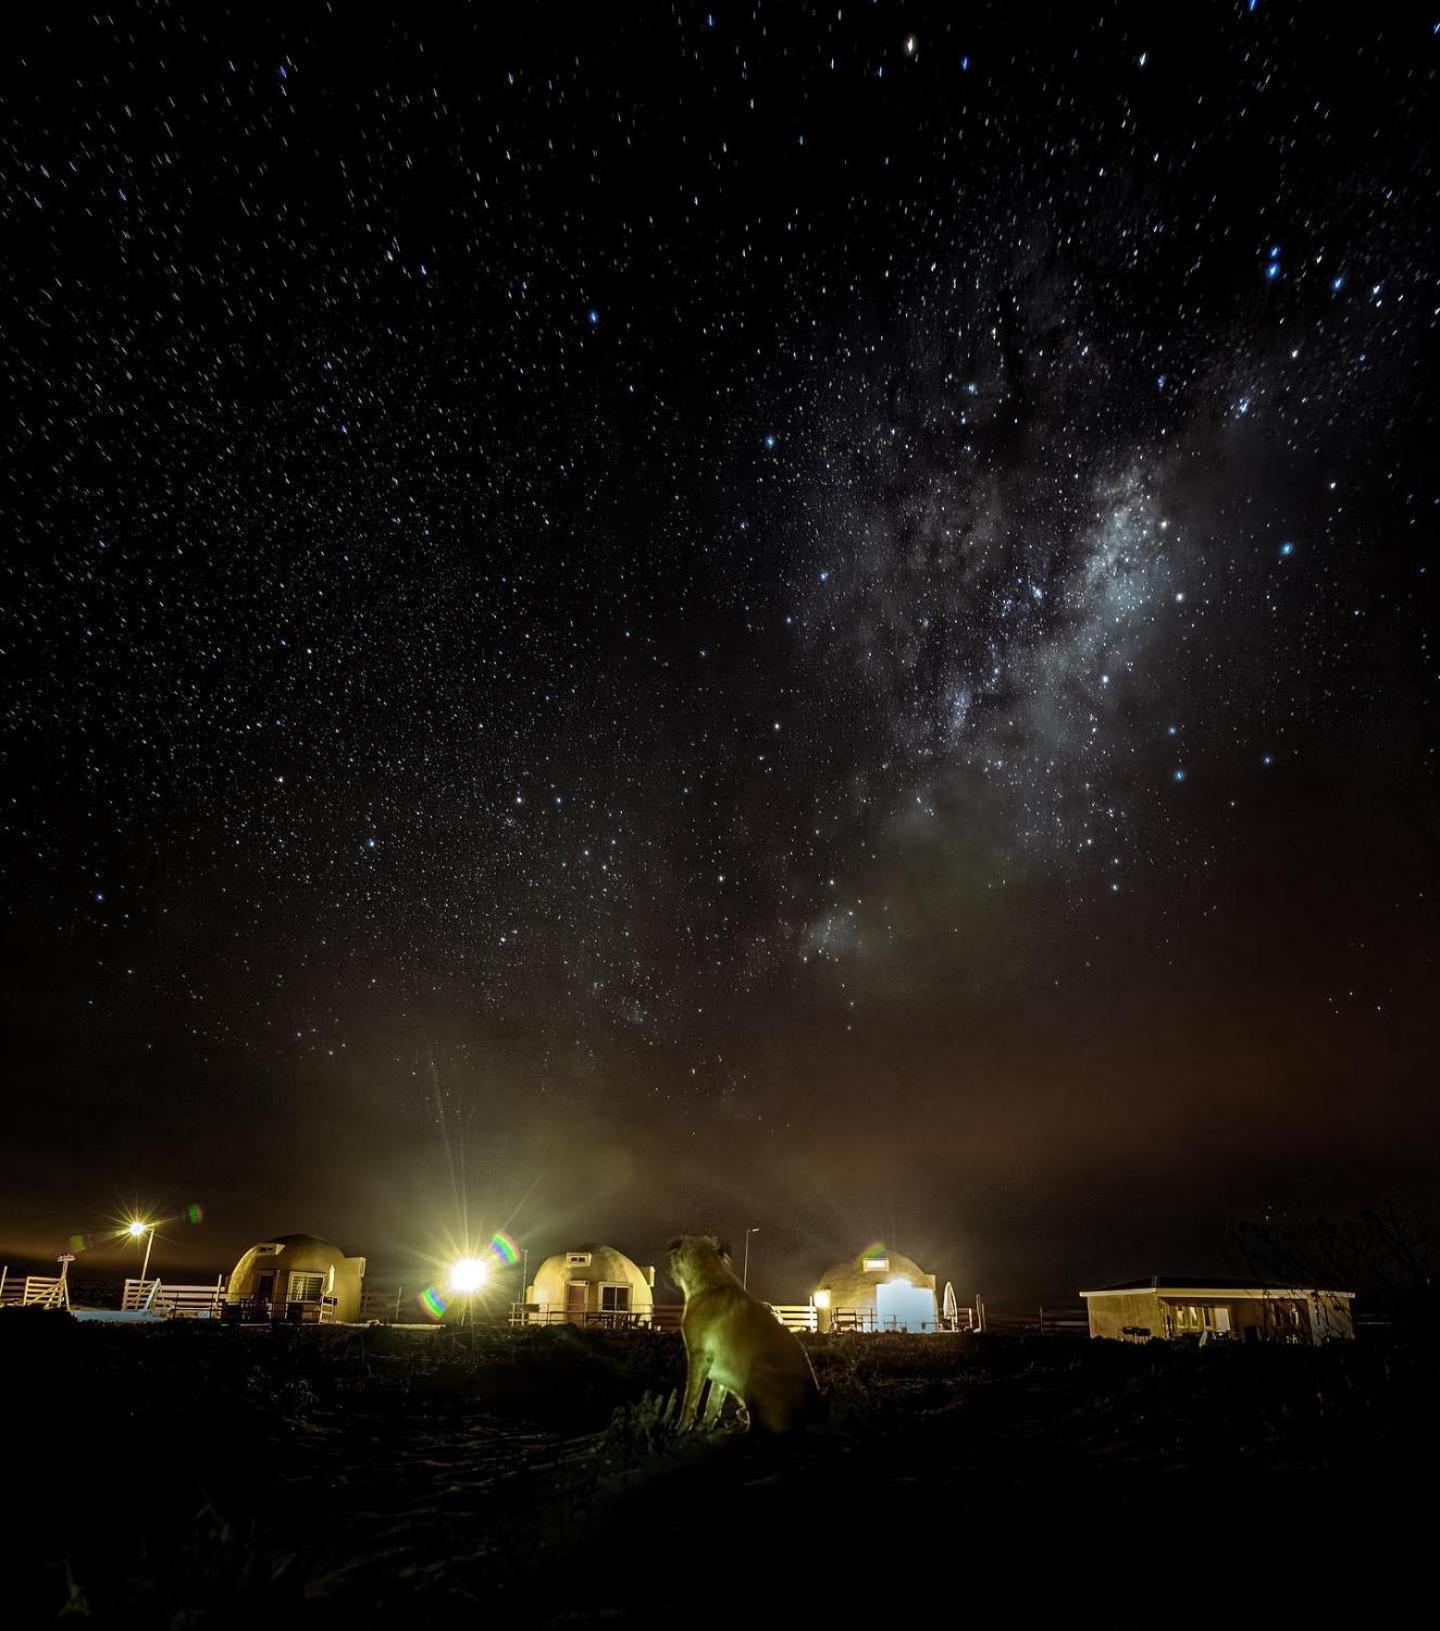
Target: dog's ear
x=722, y=1251
x=676, y=1244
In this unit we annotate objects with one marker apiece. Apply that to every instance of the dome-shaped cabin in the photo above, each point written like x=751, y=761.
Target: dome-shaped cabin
x=878, y=1290
x=590, y=1285
x=299, y=1271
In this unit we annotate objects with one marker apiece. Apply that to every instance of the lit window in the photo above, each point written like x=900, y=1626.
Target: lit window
x=577, y=1260
x=615, y=1299
x=877, y=1265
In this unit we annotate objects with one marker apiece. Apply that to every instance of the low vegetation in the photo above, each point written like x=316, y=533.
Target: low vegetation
x=190, y=1476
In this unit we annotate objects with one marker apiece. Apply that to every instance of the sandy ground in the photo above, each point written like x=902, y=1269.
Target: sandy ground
x=187, y=1476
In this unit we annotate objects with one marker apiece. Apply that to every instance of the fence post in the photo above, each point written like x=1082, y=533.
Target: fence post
x=4, y=1271
x=1042, y=1319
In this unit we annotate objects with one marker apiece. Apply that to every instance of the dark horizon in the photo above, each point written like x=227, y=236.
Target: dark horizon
x=673, y=621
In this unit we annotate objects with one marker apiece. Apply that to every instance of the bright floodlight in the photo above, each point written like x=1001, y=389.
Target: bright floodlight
x=469, y=1274
x=137, y=1229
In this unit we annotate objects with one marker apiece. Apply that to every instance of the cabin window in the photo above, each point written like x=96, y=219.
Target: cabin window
x=1200, y=1317
x=577, y=1260
x=306, y=1288
x=877, y=1265
x=615, y=1299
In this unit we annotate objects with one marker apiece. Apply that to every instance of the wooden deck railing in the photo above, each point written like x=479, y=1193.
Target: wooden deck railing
x=174, y=1301
x=662, y=1317
x=795, y=1316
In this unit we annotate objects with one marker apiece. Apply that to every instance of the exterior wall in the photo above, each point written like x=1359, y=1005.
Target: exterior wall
x=548, y=1291
x=1332, y=1317
x=1243, y=1316
x=851, y=1286
x=300, y=1254
x=1139, y=1310
x=1253, y=1320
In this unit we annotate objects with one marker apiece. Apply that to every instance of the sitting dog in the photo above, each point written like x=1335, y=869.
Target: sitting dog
x=736, y=1345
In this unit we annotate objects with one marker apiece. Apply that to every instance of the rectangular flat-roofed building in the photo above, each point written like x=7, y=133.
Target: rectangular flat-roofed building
x=1213, y=1308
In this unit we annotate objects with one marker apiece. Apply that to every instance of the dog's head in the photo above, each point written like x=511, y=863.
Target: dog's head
x=696, y=1260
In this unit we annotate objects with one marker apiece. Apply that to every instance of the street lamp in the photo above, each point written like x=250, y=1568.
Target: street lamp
x=745, y=1270
x=135, y=1230
x=466, y=1276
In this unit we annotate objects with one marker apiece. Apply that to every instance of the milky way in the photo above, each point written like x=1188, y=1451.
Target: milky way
x=539, y=543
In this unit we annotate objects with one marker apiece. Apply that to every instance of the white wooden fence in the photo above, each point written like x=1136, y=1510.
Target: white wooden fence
x=664, y=1317
x=174, y=1302
x=33, y=1291
x=806, y=1317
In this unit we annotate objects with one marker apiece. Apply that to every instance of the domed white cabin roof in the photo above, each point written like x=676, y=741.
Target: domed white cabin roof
x=294, y=1252
x=851, y=1284
x=595, y=1265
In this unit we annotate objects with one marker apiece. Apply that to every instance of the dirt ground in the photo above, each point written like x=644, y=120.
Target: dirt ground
x=190, y=1476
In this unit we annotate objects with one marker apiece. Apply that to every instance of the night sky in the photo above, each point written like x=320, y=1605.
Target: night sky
x=643, y=617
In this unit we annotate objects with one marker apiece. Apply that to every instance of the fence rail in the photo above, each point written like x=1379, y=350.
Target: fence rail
x=667, y=1317
x=174, y=1302
x=795, y=1316
x=33, y=1291
x=661, y=1317
x=1045, y=1322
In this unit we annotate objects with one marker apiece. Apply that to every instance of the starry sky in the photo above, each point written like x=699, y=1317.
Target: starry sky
x=627, y=618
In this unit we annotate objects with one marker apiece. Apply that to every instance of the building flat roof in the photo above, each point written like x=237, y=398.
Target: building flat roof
x=1210, y=1284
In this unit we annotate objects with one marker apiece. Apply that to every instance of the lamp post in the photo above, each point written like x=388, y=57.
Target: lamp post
x=135, y=1230
x=62, y=1287
x=745, y=1268
x=467, y=1276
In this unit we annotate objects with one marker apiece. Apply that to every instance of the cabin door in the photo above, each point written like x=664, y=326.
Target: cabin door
x=899, y=1306
x=265, y=1287
x=575, y=1301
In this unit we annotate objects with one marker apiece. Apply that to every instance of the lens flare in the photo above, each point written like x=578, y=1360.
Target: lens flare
x=433, y=1303
x=468, y=1274
x=194, y=1213
x=505, y=1249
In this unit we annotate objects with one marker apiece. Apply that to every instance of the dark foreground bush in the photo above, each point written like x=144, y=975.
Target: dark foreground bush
x=189, y=1476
